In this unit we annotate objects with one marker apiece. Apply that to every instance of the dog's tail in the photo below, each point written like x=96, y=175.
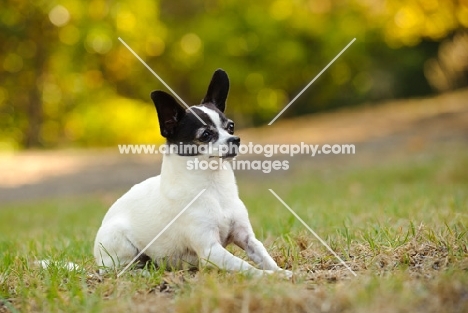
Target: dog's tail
x=70, y=266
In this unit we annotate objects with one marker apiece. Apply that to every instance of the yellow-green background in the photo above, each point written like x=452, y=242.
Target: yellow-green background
x=66, y=80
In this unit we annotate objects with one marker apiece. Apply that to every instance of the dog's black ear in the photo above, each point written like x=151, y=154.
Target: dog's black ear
x=218, y=90
x=169, y=112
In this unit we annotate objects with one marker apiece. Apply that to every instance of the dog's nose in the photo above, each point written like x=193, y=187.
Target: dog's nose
x=235, y=140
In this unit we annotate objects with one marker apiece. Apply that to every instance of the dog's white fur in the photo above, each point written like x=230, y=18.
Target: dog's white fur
x=199, y=236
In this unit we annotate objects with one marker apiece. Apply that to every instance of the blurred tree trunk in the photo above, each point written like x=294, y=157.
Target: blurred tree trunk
x=34, y=106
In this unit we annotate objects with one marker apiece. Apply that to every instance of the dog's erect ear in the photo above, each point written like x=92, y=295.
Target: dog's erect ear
x=169, y=112
x=218, y=90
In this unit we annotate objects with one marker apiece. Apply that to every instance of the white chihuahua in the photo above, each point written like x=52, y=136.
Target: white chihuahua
x=217, y=218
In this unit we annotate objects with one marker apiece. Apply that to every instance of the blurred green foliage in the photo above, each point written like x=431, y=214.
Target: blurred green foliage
x=66, y=80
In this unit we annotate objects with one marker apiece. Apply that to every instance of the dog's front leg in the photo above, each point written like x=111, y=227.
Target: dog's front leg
x=216, y=255
x=255, y=250
x=245, y=239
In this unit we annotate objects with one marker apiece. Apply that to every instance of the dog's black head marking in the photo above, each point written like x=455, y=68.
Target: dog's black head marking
x=181, y=125
x=170, y=113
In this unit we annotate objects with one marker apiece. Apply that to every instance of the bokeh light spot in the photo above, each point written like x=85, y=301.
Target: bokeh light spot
x=59, y=16
x=281, y=9
x=69, y=35
x=98, y=42
x=190, y=43
x=253, y=82
x=155, y=46
x=13, y=63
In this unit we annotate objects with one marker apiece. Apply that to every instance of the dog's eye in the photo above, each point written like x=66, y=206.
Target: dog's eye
x=206, y=136
x=230, y=128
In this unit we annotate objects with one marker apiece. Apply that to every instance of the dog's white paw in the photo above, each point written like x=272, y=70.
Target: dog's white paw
x=285, y=273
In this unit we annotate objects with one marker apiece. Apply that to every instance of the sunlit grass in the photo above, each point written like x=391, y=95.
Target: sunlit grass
x=401, y=226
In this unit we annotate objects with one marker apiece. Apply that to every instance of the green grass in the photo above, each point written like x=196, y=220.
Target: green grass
x=401, y=225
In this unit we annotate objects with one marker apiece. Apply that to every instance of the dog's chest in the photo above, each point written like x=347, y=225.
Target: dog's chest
x=224, y=214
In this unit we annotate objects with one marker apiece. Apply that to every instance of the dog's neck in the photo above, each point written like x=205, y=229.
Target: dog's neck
x=175, y=172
